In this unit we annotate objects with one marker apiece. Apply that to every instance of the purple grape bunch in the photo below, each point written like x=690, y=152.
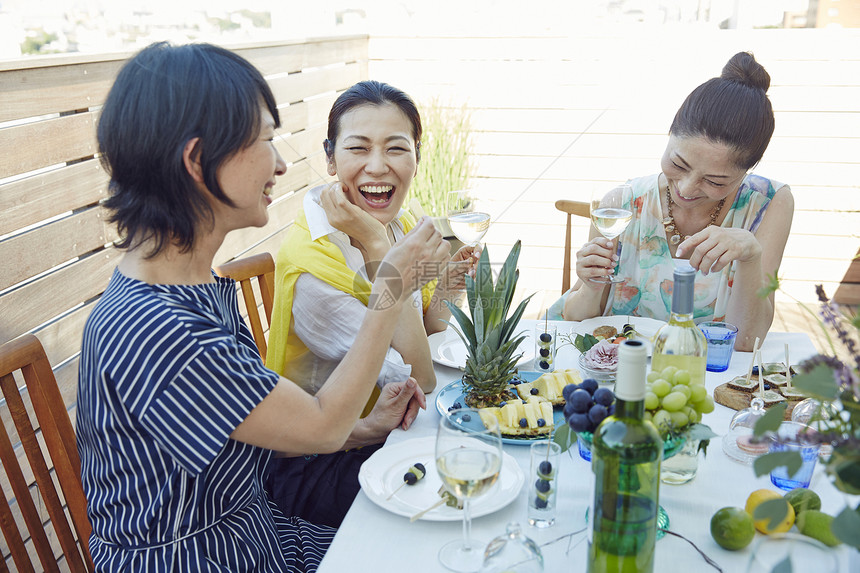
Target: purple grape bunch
x=587, y=404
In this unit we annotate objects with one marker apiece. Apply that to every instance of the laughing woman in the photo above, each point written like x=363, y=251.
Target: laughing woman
x=177, y=416
x=327, y=258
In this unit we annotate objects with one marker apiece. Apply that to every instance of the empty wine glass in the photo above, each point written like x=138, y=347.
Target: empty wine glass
x=468, y=459
x=468, y=219
x=610, y=214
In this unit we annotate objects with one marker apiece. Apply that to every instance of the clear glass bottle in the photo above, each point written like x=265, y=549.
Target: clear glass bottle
x=626, y=455
x=680, y=343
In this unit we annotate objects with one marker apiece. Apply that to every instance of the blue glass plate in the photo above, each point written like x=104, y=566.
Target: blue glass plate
x=453, y=392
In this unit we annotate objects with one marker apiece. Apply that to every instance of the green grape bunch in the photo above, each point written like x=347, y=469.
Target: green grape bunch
x=673, y=402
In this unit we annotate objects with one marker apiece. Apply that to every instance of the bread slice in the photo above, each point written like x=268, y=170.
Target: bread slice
x=741, y=383
x=791, y=393
x=776, y=379
x=770, y=397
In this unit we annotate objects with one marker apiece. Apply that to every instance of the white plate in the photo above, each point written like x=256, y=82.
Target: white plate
x=382, y=473
x=647, y=327
x=448, y=349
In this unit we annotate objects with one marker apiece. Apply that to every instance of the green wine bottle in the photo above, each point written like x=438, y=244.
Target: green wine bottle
x=680, y=343
x=626, y=453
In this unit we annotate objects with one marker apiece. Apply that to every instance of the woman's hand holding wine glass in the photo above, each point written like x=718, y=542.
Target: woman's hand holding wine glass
x=467, y=216
x=610, y=214
x=468, y=459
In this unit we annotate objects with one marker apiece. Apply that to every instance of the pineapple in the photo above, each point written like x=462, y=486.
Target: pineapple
x=489, y=336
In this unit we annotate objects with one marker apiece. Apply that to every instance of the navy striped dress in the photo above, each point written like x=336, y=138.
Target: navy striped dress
x=167, y=373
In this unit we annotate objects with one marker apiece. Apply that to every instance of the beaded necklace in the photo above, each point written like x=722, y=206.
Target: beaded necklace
x=669, y=221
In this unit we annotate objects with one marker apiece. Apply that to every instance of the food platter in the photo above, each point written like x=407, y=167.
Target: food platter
x=448, y=349
x=382, y=474
x=453, y=392
x=647, y=327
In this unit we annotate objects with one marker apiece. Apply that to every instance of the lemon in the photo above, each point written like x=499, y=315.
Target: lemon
x=802, y=499
x=764, y=525
x=732, y=528
x=816, y=524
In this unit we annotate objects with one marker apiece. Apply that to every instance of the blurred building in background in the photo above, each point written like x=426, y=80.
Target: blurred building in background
x=92, y=26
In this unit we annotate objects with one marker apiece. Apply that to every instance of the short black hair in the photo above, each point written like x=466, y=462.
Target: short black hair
x=732, y=109
x=374, y=93
x=163, y=97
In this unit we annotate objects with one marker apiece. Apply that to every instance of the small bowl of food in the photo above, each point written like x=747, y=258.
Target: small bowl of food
x=600, y=362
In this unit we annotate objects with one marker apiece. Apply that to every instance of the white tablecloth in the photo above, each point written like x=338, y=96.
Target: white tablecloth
x=373, y=539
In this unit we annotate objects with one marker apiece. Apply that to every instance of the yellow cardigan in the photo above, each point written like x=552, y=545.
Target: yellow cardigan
x=323, y=259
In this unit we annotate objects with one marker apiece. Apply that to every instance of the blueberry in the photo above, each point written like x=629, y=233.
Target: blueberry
x=568, y=390
x=542, y=485
x=456, y=405
x=589, y=384
x=503, y=403
x=540, y=503
x=419, y=466
x=544, y=364
x=410, y=478
x=534, y=391
x=755, y=370
x=580, y=401
x=597, y=413
x=604, y=396
x=544, y=352
x=545, y=468
x=568, y=410
x=541, y=422
x=546, y=337
x=467, y=418
x=524, y=423
x=579, y=423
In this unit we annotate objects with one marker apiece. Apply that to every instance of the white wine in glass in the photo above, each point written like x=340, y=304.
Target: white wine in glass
x=468, y=459
x=467, y=219
x=610, y=214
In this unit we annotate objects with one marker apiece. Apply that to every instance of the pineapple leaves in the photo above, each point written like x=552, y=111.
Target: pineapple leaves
x=490, y=334
x=468, y=334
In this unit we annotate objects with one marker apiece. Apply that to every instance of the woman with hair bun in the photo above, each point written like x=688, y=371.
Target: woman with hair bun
x=705, y=206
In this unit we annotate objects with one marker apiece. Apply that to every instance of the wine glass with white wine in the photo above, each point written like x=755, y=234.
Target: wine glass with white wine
x=468, y=459
x=610, y=214
x=468, y=218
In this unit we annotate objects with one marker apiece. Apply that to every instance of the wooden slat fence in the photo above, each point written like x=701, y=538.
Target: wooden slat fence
x=555, y=116
x=56, y=253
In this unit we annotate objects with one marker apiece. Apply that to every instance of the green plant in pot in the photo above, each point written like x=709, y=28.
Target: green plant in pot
x=445, y=165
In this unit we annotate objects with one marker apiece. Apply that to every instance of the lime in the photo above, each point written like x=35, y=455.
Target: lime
x=764, y=525
x=816, y=524
x=732, y=528
x=802, y=499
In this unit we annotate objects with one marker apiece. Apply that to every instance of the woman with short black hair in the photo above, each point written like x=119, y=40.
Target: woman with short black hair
x=177, y=415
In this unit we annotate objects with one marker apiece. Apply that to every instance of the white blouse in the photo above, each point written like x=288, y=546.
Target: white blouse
x=327, y=319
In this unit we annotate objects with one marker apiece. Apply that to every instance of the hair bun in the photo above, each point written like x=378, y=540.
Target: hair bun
x=744, y=69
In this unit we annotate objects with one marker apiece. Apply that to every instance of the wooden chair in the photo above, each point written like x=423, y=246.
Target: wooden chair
x=580, y=209
x=23, y=461
x=243, y=270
